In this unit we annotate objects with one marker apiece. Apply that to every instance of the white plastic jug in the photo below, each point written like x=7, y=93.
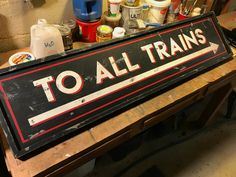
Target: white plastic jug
x=45, y=40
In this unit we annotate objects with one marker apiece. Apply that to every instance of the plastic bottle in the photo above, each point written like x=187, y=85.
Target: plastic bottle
x=45, y=40
x=114, y=7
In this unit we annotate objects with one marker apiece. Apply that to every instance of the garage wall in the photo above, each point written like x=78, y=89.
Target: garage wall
x=17, y=16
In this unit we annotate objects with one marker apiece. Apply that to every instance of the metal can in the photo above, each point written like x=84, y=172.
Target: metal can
x=130, y=14
x=104, y=33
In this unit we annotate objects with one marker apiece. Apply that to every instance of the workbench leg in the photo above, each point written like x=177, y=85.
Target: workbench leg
x=3, y=168
x=231, y=105
x=218, y=98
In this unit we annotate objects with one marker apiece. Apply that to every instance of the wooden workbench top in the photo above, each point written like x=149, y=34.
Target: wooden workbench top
x=117, y=129
x=6, y=55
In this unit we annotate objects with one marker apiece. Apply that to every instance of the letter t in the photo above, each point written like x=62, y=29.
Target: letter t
x=44, y=83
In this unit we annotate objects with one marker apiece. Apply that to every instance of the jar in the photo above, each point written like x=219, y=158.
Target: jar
x=112, y=21
x=66, y=36
x=75, y=31
x=104, y=33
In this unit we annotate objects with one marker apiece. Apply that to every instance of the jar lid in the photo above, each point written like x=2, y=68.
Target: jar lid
x=112, y=18
x=71, y=23
x=64, y=29
x=115, y=1
x=197, y=9
x=42, y=21
x=20, y=57
x=104, y=29
x=131, y=7
x=119, y=30
x=145, y=6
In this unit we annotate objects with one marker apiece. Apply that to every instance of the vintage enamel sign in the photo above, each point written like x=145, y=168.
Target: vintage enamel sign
x=44, y=101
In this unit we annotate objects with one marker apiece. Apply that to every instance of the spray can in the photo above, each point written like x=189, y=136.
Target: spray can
x=87, y=10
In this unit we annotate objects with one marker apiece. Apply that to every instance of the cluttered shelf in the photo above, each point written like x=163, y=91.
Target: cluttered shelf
x=6, y=55
x=95, y=141
x=91, y=24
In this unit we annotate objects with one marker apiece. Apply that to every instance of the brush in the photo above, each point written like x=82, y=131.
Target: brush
x=140, y=24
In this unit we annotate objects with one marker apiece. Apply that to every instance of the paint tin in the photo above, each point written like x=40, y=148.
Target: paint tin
x=104, y=33
x=20, y=57
x=132, y=2
x=112, y=21
x=88, y=30
x=130, y=14
x=87, y=10
x=158, y=10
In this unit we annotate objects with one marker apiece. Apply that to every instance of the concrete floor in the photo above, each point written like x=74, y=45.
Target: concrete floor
x=165, y=151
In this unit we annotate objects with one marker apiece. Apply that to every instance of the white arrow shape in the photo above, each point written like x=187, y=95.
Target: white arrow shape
x=36, y=120
x=214, y=47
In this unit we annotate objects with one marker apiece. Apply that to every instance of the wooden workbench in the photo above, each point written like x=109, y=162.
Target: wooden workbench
x=97, y=140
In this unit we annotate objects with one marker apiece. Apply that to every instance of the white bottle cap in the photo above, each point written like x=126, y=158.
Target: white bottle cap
x=118, y=32
x=42, y=21
x=196, y=11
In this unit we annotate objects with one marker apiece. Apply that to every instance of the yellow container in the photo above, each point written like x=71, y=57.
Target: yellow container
x=104, y=33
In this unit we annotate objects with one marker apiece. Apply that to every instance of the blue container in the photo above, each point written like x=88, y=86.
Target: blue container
x=87, y=10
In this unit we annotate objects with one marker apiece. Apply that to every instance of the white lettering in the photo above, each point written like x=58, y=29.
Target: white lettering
x=44, y=83
x=61, y=79
x=128, y=63
x=161, y=49
x=115, y=67
x=198, y=33
x=191, y=39
x=183, y=42
x=148, y=48
x=174, y=47
x=102, y=73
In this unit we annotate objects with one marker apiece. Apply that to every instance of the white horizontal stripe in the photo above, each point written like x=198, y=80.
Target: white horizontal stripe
x=83, y=100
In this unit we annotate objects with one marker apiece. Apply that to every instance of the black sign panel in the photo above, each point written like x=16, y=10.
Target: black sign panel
x=43, y=101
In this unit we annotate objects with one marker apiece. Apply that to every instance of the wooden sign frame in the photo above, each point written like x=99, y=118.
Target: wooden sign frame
x=45, y=100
